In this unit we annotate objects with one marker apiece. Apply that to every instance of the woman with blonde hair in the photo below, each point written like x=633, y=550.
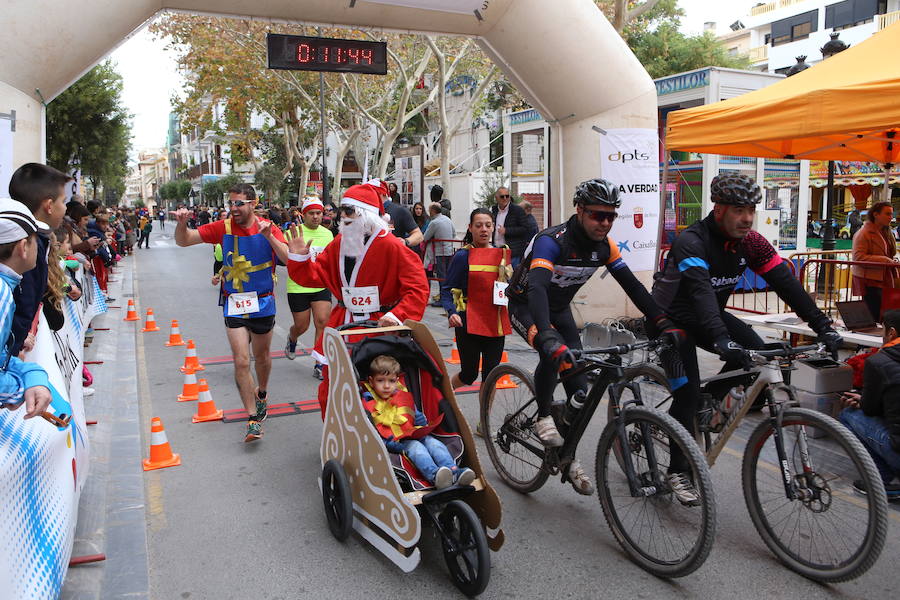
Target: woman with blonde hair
x=874, y=242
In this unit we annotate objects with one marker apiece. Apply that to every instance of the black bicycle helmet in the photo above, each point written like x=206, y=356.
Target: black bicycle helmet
x=597, y=191
x=735, y=189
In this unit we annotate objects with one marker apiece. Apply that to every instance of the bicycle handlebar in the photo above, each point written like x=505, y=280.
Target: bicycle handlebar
x=788, y=351
x=620, y=349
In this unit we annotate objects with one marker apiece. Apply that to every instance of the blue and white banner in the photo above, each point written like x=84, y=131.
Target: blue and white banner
x=43, y=467
x=630, y=159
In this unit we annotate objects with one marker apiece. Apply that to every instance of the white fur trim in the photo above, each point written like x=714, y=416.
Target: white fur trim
x=299, y=257
x=390, y=315
x=357, y=204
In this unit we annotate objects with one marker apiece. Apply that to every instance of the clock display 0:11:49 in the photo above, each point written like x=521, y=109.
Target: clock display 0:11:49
x=307, y=53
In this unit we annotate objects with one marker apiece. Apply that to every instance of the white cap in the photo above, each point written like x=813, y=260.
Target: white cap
x=311, y=203
x=16, y=221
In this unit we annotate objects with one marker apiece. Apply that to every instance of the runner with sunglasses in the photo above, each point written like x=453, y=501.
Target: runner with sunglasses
x=558, y=261
x=250, y=247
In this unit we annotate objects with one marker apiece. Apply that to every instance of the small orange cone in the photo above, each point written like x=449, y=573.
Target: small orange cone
x=206, y=409
x=160, y=452
x=150, y=323
x=454, y=355
x=190, y=360
x=190, y=390
x=132, y=313
x=504, y=358
x=505, y=383
x=175, y=335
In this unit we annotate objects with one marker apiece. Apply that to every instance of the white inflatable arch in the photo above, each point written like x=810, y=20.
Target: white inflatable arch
x=562, y=55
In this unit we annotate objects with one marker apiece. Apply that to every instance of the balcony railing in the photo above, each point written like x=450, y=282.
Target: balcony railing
x=762, y=9
x=758, y=54
x=886, y=20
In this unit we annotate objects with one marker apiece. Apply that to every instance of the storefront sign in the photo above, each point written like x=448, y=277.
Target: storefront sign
x=630, y=159
x=678, y=83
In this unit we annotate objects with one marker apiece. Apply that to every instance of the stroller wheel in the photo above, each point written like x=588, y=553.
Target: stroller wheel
x=465, y=548
x=337, y=500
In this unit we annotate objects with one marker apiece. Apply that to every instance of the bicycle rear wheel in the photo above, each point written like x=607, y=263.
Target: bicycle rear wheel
x=660, y=534
x=508, y=412
x=829, y=533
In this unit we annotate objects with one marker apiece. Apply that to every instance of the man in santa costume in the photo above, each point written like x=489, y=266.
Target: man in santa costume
x=372, y=273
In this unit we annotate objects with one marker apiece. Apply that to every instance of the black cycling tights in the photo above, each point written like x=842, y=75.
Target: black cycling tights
x=546, y=373
x=474, y=347
x=686, y=398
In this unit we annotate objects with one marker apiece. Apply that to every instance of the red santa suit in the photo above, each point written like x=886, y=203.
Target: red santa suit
x=385, y=263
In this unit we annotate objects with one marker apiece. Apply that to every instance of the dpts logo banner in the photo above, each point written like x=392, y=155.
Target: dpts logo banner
x=630, y=159
x=42, y=467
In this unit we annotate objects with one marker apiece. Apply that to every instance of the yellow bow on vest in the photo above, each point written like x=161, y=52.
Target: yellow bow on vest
x=239, y=271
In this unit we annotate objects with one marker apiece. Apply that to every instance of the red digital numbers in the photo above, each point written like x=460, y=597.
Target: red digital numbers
x=305, y=53
x=366, y=56
x=353, y=54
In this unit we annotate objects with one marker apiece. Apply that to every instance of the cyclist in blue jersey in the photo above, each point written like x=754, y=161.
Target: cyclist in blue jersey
x=558, y=261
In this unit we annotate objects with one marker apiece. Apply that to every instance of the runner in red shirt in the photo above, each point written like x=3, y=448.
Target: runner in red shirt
x=250, y=250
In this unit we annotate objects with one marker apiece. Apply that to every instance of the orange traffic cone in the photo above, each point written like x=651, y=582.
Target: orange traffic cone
x=150, y=323
x=504, y=358
x=190, y=389
x=160, y=451
x=175, y=335
x=454, y=355
x=190, y=360
x=206, y=409
x=132, y=313
x=505, y=383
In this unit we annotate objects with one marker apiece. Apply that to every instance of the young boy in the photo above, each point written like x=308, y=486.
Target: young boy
x=42, y=190
x=19, y=380
x=394, y=414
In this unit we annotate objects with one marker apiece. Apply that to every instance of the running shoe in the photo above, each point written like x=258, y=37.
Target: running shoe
x=443, y=478
x=892, y=490
x=317, y=372
x=579, y=479
x=290, y=349
x=254, y=430
x=87, y=391
x=683, y=489
x=465, y=476
x=262, y=403
x=546, y=431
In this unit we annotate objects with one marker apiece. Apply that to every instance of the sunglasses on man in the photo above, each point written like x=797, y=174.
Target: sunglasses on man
x=601, y=215
x=348, y=211
x=239, y=203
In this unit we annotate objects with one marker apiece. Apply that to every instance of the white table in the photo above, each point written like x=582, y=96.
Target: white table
x=786, y=322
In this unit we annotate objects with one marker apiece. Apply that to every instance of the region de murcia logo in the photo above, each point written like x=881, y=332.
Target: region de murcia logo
x=638, y=217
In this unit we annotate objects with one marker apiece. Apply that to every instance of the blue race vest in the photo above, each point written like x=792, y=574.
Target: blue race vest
x=247, y=267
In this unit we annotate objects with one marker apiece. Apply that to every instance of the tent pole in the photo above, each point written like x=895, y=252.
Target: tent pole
x=828, y=234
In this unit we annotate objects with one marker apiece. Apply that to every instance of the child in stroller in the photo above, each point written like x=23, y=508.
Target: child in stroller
x=405, y=429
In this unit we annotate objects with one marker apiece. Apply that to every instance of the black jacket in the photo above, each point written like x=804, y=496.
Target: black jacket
x=881, y=390
x=517, y=228
x=29, y=293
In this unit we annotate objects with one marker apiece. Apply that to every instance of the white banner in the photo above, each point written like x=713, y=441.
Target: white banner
x=43, y=467
x=6, y=157
x=630, y=159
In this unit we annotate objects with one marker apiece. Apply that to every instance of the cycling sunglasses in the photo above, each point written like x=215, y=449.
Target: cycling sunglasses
x=601, y=215
x=239, y=203
x=348, y=211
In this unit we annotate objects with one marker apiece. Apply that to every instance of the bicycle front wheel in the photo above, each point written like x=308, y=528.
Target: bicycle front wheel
x=508, y=413
x=659, y=533
x=829, y=532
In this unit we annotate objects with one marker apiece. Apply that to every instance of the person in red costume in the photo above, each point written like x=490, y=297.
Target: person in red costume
x=372, y=273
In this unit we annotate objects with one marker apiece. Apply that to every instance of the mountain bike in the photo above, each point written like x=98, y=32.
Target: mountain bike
x=799, y=466
x=660, y=534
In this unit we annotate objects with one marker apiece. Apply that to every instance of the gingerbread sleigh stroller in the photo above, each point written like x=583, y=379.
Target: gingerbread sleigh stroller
x=380, y=494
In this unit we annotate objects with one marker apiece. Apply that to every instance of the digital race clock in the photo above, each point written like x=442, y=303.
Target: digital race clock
x=304, y=53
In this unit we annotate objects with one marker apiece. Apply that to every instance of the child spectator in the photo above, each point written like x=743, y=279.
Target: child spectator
x=394, y=414
x=42, y=190
x=19, y=380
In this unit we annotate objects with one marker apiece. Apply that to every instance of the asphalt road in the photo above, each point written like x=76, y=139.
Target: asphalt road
x=240, y=520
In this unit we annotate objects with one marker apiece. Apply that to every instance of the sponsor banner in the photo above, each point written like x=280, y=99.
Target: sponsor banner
x=630, y=159
x=43, y=467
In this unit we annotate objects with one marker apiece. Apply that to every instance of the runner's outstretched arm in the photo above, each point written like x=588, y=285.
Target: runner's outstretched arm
x=183, y=235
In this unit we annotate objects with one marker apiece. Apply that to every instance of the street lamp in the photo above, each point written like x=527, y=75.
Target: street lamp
x=831, y=47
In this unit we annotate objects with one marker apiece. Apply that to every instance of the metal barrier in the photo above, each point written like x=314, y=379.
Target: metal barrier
x=830, y=281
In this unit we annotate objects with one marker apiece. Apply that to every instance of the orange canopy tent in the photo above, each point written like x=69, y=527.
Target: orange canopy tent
x=844, y=108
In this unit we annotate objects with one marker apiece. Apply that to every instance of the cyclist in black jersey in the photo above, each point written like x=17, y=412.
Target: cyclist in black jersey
x=558, y=261
x=702, y=269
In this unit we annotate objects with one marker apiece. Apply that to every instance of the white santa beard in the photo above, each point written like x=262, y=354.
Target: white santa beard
x=353, y=237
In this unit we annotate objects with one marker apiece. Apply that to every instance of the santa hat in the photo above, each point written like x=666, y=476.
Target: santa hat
x=364, y=196
x=311, y=203
x=380, y=185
